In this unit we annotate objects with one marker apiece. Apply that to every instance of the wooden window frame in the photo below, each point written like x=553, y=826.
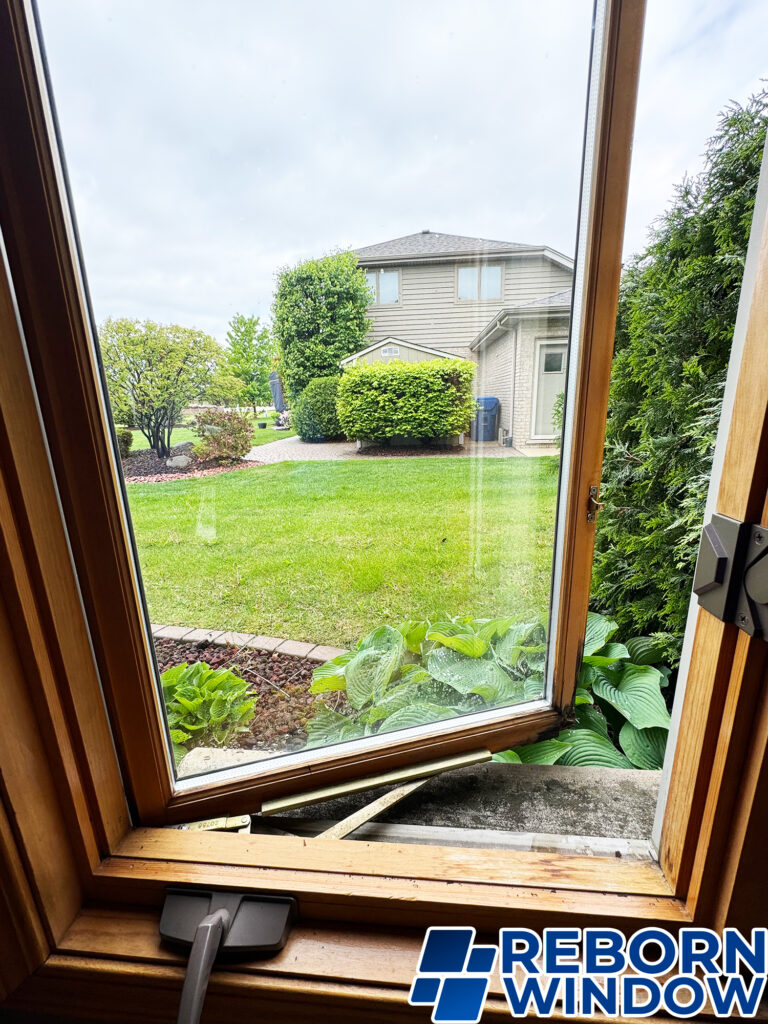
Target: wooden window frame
x=75, y=867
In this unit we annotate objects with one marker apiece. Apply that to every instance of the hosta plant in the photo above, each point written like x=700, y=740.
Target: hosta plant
x=421, y=672
x=620, y=715
x=205, y=706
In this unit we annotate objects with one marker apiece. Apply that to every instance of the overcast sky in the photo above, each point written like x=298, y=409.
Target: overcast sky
x=210, y=143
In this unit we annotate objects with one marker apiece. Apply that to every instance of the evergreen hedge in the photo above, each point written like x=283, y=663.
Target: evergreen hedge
x=677, y=310
x=426, y=400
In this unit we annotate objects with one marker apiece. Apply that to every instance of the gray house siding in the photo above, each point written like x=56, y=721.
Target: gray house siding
x=429, y=313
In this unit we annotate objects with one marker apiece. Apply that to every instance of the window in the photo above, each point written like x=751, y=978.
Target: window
x=62, y=786
x=366, y=714
x=384, y=285
x=390, y=351
x=482, y=282
x=553, y=362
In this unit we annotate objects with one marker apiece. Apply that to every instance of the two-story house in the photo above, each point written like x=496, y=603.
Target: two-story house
x=504, y=305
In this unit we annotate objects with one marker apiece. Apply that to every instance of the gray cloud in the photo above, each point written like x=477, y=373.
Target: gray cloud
x=209, y=144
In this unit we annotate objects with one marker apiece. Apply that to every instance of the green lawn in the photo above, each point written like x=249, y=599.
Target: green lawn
x=182, y=434
x=325, y=551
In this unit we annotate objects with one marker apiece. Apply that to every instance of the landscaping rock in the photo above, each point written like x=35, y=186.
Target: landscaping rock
x=178, y=462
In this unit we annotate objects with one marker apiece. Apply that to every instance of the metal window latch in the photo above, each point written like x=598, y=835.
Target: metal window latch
x=593, y=505
x=731, y=578
x=226, y=924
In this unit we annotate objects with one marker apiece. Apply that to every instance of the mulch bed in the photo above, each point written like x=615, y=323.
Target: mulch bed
x=280, y=681
x=144, y=467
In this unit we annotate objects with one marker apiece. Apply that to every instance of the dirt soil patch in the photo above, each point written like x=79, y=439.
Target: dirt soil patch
x=145, y=467
x=280, y=681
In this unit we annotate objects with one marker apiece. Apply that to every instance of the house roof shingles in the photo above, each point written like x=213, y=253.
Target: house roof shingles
x=432, y=243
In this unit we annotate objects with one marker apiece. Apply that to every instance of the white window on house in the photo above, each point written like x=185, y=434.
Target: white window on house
x=385, y=286
x=482, y=282
x=390, y=352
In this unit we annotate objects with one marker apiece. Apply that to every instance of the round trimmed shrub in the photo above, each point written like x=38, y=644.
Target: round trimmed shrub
x=124, y=441
x=314, y=414
x=426, y=400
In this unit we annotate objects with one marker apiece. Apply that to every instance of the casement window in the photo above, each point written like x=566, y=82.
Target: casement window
x=384, y=286
x=489, y=708
x=88, y=779
x=483, y=282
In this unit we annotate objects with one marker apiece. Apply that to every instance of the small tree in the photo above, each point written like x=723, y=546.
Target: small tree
x=155, y=371
x=249, y=358
x=319, y=316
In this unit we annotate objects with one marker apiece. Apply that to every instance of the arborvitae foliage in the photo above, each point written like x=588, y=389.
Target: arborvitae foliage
x=677, y=310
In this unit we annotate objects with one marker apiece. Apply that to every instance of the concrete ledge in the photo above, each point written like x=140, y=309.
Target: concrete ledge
x=555, y=799
x=598, y=803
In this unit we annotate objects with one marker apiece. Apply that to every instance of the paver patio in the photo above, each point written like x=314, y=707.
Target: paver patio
x=293, y=449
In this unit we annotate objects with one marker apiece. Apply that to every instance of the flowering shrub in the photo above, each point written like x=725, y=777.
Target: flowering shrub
x=224, y=435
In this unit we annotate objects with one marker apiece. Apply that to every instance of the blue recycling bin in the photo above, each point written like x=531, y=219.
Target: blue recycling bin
x=485, y=424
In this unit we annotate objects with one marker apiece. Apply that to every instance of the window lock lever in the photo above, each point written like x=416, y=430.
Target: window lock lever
x=221, y=925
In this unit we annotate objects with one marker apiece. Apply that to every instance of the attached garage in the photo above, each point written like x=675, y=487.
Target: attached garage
x=522, y=357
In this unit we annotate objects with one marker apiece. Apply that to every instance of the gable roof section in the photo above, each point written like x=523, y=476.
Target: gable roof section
x=429, y=246
x=557, y=304
x=399, y=341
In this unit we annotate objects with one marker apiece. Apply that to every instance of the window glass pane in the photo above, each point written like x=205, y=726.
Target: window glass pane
x=467, y=281
x=388, y=286
x=354, y=554
x=370, y=277
x=490, y=283
x=553, y=362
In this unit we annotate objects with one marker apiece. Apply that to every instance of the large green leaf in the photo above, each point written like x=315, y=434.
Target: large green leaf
x=507, y=757
x=644, y=747
x=501, y=691
x=587, y=749
x=369, y=672
x=599, y=630
x=544, y=752
x=533, y=688
x=463, y=673
x=330, y=675
x=519, y=636
x=607, y=655
x=384, y=639
x=413, y=632
x=636, y=695
x=491, y=629
x=644, y=650
x=590, y=717
x=416, y=714
x=327, y=726
x=465, y=643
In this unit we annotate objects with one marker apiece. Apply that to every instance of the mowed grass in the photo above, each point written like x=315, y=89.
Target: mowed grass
x=181, y=434
x=325, y=551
